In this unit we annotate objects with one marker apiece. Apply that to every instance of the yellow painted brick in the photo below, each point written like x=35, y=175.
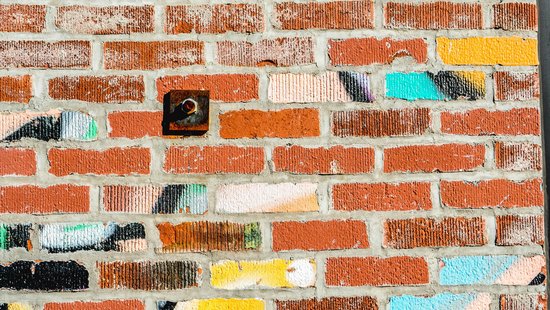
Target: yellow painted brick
x=221, y=304
x=276, y=273
x=507, y=51
x=18, y=306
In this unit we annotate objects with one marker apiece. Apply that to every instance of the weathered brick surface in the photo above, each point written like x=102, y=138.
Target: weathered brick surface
x=17, y=161
x=381, y=196
x=515, y=16
x=370, y=51
x=319, y=235
x=527, y=301
x=426, y=232
x=153, y=55
x=45, y=54
x=323, y=160
x=376, y=271
x=328, y=15
x=16, y=89
x=491, y=193
x=96, y=305
x=518, y=156
x=105, y=20
x=100, y=89
x=516, y=85
x=269, y=124
x=22, y=18
x=524, y=121
x=342, y=303
x=520, y=230
x=433, y=15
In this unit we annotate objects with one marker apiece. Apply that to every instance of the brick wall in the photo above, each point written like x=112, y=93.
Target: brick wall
x=361, y=155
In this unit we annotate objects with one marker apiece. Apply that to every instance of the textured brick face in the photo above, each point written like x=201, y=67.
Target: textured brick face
x=361, y=154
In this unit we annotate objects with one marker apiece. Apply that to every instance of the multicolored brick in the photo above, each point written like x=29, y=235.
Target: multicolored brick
x=15, y=236
x=216, y=303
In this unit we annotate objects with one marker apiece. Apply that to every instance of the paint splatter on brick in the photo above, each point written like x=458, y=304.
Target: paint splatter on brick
x=275, y=273
x=211, y=304
x=209, y=236
x=166, y=275
x=341, y=303
x=61, y=238
x=52, y=125
x=264, y=197
x=15, y=306
x=329, y=86
x=492, y=270
x=105, y=20
x=280, y=52
x=372, y=123
x=520, y=230
x=153, y=199
x=15, y=236
x=478, y=301
x=443, y=85
x=96, y=305
x=44, y=276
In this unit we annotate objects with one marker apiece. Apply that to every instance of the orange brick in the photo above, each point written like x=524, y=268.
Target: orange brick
x=130, y=55
x=381, y=196
x=320, y=235
x=340, y=303
x=321, y=160
x=15, y=161
x=62, y=198
x=99, y=305
x=270, y=124
x=22, y=18
x=105, y=20
x=520, y=230
x=99, y=89
x=375, y=123
x=518, y=156
x=114, y=161
x=491, y=194
x=16, y=88
x=214, y=159
x=424, y=232
x=368, y=51
x=432, y=158
x=41, y=54
x=515, y=16
x=523, y=121
x=376, y=271
x=218, y=18
x=325, y=15
x=281, y=52
x=222, y=87
x=135, y=124
x=433, y=15
x=516, y=86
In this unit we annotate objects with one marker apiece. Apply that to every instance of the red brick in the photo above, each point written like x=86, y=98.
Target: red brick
x=135, y=124
x=270, y=124
x=105, y=20
x=114, y=161
x=222, y=87
x=516, y=86
x=97, y=305
x=280, y=52
x=320, y=235
x=327, y=15
x=16, y=88
x=41, y=54
x=524, y=121
x=520, y=230
x=491, y=194
x=100, y=89
x=375, y=123
x=518, y=156
x=368, y=51
x=523, y=302
x=322, y=160
x=515, y=16
x=214, y=159
x=62, y=198
x=14, y=161
x=130, y=55
x=218, y=18
x=376, y=271
x=432, y=158
x=340, y=303
x=22, y=18
x=425, y=232
x=382, y=196
x=435, y=15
